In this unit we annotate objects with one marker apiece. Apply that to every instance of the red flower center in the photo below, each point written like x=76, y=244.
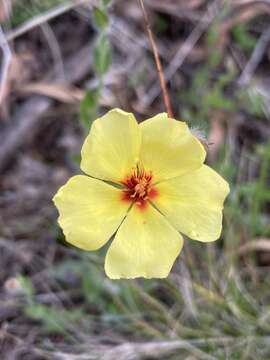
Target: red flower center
x=139, y=188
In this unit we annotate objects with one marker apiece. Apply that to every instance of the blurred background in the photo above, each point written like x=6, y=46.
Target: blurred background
x=63, y=63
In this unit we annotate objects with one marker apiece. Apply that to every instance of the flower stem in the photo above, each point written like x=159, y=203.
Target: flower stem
x=163, y=84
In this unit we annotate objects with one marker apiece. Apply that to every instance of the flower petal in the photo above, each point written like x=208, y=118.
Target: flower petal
x=168, y=148
x=112, y=147
x=146, y=245
x=90, y=211
x=193, y=203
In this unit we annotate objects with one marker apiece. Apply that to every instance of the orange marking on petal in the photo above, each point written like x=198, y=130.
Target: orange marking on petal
x=125, y=196
x=142, y=205
x=153, y=193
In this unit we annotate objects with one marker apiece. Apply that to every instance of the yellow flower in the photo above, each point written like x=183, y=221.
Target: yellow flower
x=163, y=189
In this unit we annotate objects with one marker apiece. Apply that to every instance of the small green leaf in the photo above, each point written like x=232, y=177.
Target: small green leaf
x=88, y=108
x=102, y=55
x=101, y=18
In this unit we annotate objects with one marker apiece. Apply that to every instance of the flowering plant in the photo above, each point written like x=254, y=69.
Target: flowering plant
x=146, y=183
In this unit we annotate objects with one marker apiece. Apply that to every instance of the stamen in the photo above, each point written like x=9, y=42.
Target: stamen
x=139, y=187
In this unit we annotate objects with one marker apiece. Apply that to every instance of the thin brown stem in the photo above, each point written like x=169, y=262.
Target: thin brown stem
x=162, y=80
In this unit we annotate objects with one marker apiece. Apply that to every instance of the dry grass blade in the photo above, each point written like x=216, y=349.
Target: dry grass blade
x=154, y=350
x=7, y=56
x=244, y=12
x=182, y=11
x=5, y=10
x=43, y=18
x=59, y=92
x=31, y=111
x=255, y=245
x=255, y=59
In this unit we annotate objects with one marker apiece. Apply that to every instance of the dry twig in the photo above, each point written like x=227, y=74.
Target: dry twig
x=163, y=84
